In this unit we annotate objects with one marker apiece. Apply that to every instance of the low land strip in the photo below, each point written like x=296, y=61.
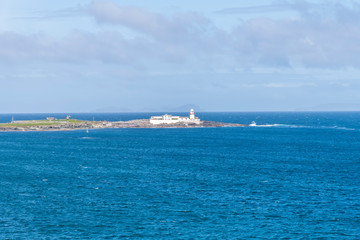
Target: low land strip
x=74, y=124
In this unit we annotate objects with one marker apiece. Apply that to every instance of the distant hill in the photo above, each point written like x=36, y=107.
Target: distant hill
x=182, y=108
x=112, y=109
x=186, y=108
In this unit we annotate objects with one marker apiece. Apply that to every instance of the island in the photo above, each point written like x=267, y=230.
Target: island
x=74, y=124
x=165, y=121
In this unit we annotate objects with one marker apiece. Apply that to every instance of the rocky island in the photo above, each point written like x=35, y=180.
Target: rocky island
x=164, y=121
x=74, y=124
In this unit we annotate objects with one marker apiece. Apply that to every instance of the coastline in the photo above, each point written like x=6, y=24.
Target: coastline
x=74, y=124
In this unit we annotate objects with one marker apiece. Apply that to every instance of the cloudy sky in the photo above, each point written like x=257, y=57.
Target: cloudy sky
x=141, y=55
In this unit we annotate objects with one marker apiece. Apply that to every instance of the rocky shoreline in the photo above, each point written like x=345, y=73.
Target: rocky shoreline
x=66, y=125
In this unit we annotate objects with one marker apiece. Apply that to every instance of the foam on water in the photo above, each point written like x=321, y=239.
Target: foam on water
x=88, y=138
x=279, y=125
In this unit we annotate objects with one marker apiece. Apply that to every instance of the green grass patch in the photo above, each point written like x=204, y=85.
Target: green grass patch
x=76, y=121
x=34, y=123
x=69, y=121
x=28, y=124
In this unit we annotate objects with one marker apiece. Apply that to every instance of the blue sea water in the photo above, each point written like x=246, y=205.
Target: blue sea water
x=295, y=176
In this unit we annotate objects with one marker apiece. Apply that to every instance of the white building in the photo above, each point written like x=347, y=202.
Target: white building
x=169, y=119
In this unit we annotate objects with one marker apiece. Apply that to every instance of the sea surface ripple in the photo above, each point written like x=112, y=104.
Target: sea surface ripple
x=278, y=182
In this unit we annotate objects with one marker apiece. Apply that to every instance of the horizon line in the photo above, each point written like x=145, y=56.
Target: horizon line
x=256, y=111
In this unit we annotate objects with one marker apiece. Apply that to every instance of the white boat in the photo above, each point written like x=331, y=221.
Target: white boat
x=252, y=124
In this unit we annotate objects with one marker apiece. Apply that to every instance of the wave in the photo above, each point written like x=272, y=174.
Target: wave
x=267, y=125
x=344, y=128
x=279, y=125
x=88, y=138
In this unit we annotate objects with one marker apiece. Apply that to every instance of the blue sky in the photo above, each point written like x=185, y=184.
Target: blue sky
x=140, y=55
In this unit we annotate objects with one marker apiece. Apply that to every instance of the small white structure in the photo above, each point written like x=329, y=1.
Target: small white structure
x=169, y=119
x=192, y=114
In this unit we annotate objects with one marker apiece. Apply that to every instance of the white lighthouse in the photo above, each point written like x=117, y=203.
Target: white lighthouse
x=192, y=114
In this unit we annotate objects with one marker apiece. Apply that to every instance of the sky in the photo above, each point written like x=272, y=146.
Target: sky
x=143, y=56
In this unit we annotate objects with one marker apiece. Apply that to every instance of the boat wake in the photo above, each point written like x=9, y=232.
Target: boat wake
x=278, y=125
x=268, y=125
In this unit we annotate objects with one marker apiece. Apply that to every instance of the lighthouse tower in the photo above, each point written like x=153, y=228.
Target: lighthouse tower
x=192, y=114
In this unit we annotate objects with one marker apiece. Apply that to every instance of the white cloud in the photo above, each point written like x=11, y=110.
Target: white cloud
x=176, y=28
x=191, y=41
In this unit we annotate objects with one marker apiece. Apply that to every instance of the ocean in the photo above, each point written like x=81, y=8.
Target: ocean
x=293, y=176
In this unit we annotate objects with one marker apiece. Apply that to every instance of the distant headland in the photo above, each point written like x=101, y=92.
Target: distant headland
x=164, y=121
